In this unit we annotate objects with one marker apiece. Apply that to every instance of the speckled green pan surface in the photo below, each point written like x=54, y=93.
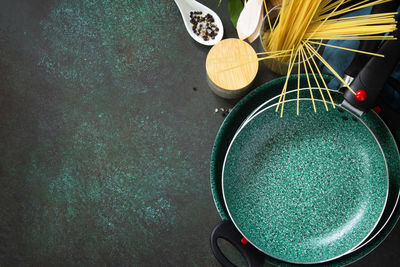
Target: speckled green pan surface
x=308, y=188
x=388, y=144
x=268, y=91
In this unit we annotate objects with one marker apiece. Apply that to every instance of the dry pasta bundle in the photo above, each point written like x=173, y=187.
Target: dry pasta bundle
x=301, y=25
x=309, y=19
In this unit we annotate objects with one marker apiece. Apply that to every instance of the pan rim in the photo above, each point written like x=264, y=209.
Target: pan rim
x=247, y=120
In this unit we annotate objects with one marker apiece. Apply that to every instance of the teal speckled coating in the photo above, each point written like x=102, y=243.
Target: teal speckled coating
x=308, y=188
x=267, y=92
x=388, y=144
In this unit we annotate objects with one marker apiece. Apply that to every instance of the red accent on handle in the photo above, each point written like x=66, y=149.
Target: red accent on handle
x=377, y=109
x=244, y=241
x=361, y=95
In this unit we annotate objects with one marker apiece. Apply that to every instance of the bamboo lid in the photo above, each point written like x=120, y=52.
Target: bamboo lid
x=231, y=65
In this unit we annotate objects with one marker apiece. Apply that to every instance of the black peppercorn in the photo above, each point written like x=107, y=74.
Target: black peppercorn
x=203, y=25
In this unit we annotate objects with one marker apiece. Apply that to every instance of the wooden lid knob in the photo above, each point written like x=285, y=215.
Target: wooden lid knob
x=232, y=64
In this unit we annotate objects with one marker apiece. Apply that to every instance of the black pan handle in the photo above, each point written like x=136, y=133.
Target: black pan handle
x=375, y=73
x=360, y=59
x=227, y=230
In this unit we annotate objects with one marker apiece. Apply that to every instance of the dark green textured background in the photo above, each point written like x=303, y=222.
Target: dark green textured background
x=105, y=146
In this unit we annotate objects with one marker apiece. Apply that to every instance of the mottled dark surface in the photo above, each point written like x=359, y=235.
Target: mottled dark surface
x=105, y=146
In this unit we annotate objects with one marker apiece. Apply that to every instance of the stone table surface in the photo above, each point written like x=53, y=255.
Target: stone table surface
x=107, y=125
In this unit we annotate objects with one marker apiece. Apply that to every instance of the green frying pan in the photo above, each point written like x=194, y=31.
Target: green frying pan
x=232, y=123
x=307, y=188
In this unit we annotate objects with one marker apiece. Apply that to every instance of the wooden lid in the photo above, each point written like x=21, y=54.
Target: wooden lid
x=232, y=64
